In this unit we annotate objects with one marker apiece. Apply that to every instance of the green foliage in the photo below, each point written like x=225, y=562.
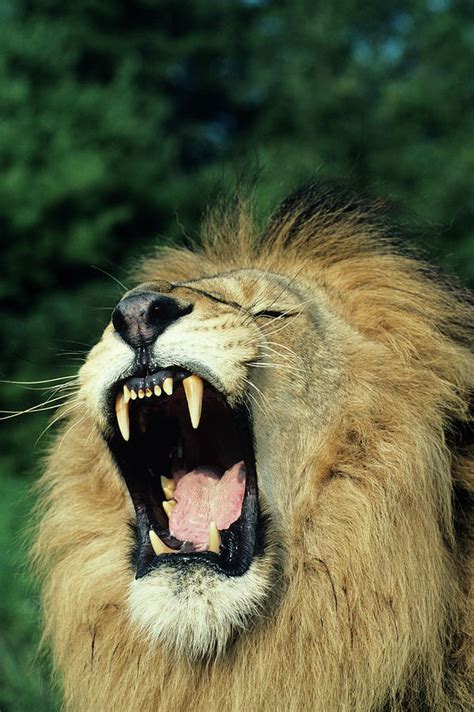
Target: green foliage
x=118, y=121
x=24, y=684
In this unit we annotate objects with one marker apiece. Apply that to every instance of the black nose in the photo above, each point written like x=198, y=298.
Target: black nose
x=141, y=318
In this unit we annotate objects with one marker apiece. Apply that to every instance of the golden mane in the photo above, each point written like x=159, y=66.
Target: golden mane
x=373, y=609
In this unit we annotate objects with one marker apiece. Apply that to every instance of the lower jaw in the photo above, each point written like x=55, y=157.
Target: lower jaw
x=195, y=611
x=240, y=544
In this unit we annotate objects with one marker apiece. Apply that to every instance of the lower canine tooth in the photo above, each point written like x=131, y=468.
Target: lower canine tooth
x=214, y=538
x=168, y=506
x=121, y=411
x=159, y=547
x=193, y=388
x=168, y=487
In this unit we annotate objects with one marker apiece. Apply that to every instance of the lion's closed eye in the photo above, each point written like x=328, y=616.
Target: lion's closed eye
x=273, y=313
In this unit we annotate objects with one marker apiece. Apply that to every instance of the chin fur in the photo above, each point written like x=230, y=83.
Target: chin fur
x=197, y=612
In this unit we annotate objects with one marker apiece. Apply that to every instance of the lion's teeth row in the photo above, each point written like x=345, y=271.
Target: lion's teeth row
x=131, y=393
x=193, y=388
x=213, y=544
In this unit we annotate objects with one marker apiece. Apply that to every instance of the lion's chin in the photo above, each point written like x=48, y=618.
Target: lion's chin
x=195, y=611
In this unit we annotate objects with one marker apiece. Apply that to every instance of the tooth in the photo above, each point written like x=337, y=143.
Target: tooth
x=159, y=547
x=214, y=538
x=121, y=410
x=193, y=387
x=168, y=386
x=168, y=486
x=126, y=393
x=168, y=506
x=157, y=390
x=141, y=393
x=148, y=392
x=133, y=394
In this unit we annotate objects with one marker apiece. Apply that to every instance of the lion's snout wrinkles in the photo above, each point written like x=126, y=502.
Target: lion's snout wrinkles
x=262, y=501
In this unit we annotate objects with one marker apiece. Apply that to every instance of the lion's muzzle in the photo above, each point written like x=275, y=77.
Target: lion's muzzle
x=185, y=454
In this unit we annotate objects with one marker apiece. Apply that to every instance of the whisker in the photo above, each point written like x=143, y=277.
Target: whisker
x=65, y=412
x=78, y=422
x=42, y=389
x=291, y=358
x=91, y=432
x=263, y=403
x=258, y=404
x=54, y=389
x=71, y=357
x=282, y=346
x=289, y=312
x=71, y=353
x=38, y=408
x=277, y=330
x=16, y=414
x=99, y=269
x=63, y=388
x=46, y=380
x=79, y=343
x=265, y=364
x=292, y=280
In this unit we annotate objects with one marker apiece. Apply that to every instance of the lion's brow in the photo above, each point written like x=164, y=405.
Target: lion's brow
x=213, y=297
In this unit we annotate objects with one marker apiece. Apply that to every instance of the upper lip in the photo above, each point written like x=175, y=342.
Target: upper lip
x=223, y=436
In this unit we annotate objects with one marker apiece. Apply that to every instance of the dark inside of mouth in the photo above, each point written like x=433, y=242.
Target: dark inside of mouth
x=165, y=459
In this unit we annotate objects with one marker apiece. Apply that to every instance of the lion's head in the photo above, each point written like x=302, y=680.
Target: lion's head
x=259, y=496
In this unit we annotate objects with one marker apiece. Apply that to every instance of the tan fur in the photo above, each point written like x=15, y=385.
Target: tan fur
x=362, y=469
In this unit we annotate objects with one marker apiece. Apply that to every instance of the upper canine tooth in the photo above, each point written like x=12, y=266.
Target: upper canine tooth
x=214, y=538
x=168, y=386
x=148, y=392
x=121, y=411
x=168, y=486
x=126, y=393
x=159, y=547
x=157, y=390
x=194, y=387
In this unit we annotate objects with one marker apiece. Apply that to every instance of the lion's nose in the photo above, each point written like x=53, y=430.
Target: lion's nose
x=141, y=318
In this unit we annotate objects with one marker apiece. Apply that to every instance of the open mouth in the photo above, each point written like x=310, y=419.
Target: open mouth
x=187, y=459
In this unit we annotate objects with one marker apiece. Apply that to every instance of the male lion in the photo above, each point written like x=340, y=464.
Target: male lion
x=259, y=496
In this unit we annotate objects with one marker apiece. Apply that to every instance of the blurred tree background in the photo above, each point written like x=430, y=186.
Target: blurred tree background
x=117, y=120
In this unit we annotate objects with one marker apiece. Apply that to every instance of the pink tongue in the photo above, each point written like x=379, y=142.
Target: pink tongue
x=202, y=497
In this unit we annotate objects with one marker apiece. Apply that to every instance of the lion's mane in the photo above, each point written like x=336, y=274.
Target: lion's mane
x=372, y=611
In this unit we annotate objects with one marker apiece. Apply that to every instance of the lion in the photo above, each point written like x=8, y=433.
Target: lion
x=258, y=498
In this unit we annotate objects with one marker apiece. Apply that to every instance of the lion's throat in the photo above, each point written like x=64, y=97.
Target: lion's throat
x=202, y=496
